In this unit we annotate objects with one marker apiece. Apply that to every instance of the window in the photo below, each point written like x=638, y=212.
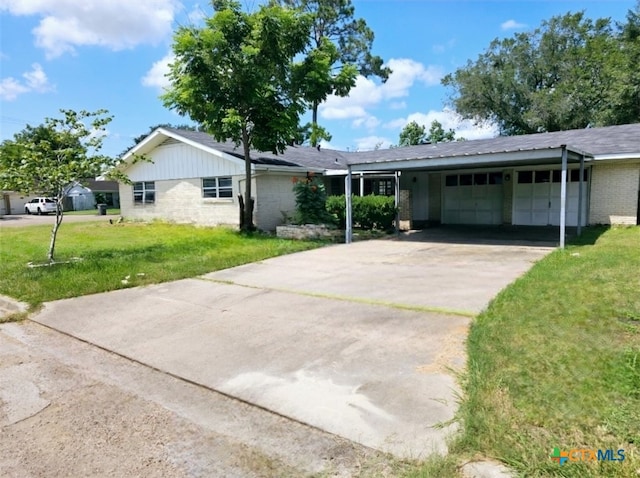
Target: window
x=480, y=179
x=451, y=180
x=543, y=176
x=525, y=177
x=466, y=179
x=385, y=187
x=575, y=175
x=144, y=192
x=217, y=187
x=495, y=178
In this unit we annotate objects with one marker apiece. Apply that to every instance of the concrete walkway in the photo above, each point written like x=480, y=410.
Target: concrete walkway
x=358, y=340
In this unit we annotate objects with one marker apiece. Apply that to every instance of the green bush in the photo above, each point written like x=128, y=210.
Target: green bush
x=369, y=212
x=311, y=200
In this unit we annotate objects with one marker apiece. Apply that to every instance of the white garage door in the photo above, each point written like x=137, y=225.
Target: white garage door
x=536, y=198
x=472, y=198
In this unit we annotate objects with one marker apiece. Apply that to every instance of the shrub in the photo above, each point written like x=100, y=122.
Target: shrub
x=369, y=212
x=311, y=198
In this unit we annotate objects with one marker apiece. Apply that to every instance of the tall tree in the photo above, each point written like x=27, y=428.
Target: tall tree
x=339, y=50
x=48, y=158
x=414, y=133
x=556, y=77
x=234, y=76
x=626, y=98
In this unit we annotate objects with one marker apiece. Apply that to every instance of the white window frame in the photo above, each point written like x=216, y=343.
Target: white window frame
x=214, y=189
x=145, y=190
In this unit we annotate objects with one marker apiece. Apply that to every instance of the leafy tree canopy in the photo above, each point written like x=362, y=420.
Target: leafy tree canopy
x=235, y=77
x=338, y=51
x=414, y=133
x=568, y=73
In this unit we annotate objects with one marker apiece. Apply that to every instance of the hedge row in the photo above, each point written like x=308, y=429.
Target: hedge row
x=369, y=212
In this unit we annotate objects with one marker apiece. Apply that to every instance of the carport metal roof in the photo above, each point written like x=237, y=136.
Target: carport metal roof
x=454, y=160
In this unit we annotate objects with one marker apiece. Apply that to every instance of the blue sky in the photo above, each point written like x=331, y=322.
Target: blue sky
x=112, y=54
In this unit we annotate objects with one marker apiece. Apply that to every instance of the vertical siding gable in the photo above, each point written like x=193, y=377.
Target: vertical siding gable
x=182, y=161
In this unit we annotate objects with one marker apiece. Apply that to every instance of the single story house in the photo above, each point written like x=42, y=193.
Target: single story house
x=105, y=192
x=191, y=178
x=514, y=180
x=13, y=202
x=78, y=198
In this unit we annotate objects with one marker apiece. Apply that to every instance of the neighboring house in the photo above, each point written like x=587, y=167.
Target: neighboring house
x=504, y=180
x=78, y=198
x=13, y=203
x=105, y=192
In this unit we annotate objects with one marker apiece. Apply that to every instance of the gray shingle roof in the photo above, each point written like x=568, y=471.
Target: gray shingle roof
x=301, y=156
x=597, y=141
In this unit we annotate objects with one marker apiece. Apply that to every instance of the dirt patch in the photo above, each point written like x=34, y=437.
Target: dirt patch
x=70, y=409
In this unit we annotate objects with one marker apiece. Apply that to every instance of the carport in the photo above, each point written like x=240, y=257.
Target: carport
x=457, y=157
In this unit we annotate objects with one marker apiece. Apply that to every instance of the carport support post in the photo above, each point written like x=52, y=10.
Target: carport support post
x=348, y=233
x=580, y=193
x=397, y=200
x=563, y=196
x=361, y=184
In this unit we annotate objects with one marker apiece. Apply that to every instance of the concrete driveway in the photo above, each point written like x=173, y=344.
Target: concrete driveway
x=358, y=340
x=22, y=220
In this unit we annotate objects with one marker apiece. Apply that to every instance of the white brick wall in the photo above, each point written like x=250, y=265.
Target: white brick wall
x=181, y=201
x=274, y=194
x=614, y=193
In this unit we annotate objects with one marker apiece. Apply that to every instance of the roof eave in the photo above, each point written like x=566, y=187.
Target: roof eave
x=493, y=159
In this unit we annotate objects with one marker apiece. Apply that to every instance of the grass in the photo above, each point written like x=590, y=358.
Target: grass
x=146, y=253
x=555, y=362
x=93, y=212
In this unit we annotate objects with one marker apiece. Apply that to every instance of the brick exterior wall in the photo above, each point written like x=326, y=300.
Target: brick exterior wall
x=405, y=209
x=614, y=193
x=274, y=196
x=181, y=201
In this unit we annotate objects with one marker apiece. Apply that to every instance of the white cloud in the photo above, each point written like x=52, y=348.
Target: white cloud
x=36, y=80
x=512, y=25
x=370, y=122
x=397, y=105
x=115, y=24
x=443, y=47
x=367, y=93
x=156, y=76
x=10, y=88
x=369, y=143
x=449, y=119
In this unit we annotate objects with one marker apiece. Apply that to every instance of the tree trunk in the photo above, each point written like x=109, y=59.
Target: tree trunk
x=54, y=231
x=247, y=224
x=314, y=123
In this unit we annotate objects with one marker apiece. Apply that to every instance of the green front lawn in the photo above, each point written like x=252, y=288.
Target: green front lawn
x=137, y=253
x=555, y=362
x=93, y=212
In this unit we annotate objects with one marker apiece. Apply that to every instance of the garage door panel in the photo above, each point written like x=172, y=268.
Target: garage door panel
x=538, y=204
x=475, y=203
